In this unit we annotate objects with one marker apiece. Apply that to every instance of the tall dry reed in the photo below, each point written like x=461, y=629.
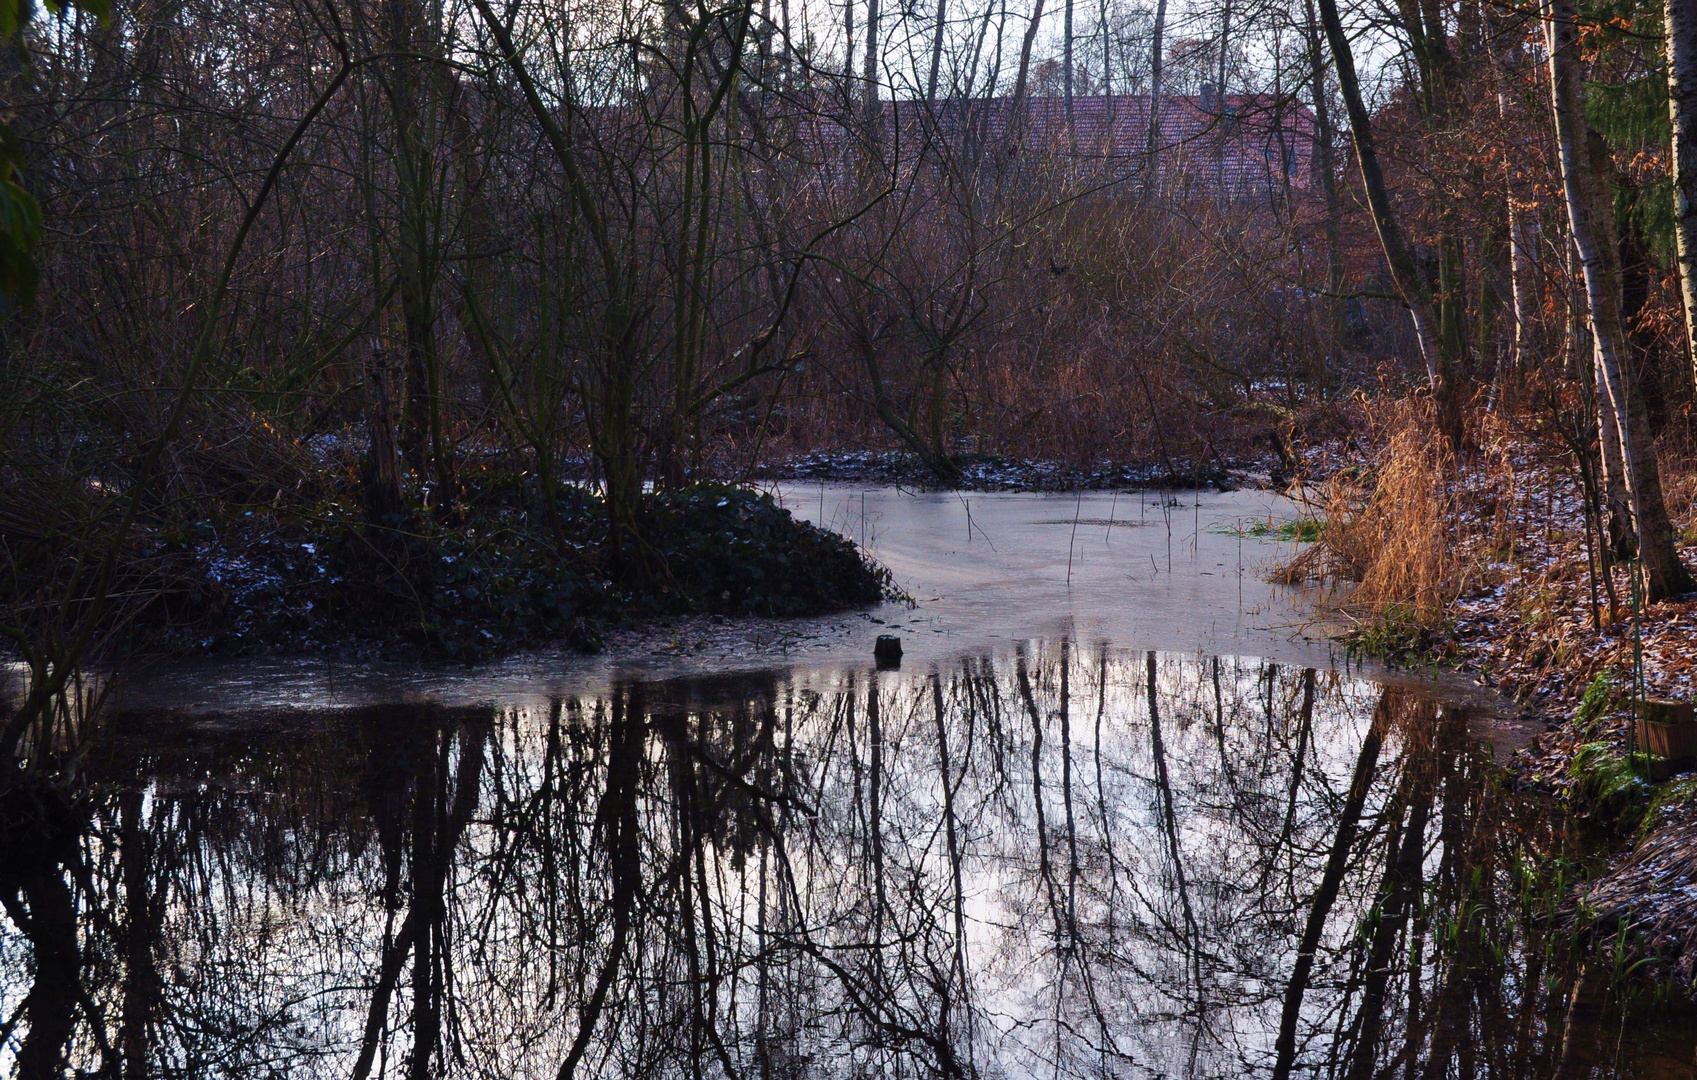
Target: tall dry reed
x=1389, y=540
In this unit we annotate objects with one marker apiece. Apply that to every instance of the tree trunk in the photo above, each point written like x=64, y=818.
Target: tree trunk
x=1616, y=508
x=422, y=443
x=1526, y=326
x=1108, y=143
x=1326, y=166
x=141, y=931
x=613, y=435
x=1396, y=903
x=871, y=87
x=1169, y=825
x=1585, y=169
x=950, y=835
x=1015, y=120
x=56, y=990
x=1406, y=275
x=1066, y=67
x=1157, y=66
x=1331, y=880
x=379, y=474
x=937, y=50
x=848, y=44
x=1527, y=342
x=1680, y=17
x=1220, y=118
x=1582, y=1027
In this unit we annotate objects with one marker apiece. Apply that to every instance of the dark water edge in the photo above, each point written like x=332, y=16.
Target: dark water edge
x=1055, y=859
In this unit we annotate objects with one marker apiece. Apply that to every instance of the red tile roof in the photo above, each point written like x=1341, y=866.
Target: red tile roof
x=1248, y=143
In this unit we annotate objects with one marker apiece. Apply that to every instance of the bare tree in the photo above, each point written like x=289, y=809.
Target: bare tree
x=1680, y=23
x=1585, y=167
x=1410, y=282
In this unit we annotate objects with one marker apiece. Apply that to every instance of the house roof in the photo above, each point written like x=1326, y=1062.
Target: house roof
x=1242, y=140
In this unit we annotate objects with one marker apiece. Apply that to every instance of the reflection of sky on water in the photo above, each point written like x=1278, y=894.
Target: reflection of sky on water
x=1196, y=588
x=1171, y=571
x=442, y=885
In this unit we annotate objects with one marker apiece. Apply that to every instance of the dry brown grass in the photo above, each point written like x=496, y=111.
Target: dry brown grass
x=1389, y=538
x=1677, y=461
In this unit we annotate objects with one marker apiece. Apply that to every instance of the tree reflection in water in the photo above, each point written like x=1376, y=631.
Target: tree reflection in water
x=1064, y=862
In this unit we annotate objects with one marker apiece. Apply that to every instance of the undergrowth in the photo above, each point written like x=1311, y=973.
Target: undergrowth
x=1598, y=698
x=497, y=571
x=1395, y=633
x=1385, y=540
x=1611, y=784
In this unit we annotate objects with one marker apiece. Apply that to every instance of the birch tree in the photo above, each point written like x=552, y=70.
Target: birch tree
x=1584, y=164
x=1680, y=19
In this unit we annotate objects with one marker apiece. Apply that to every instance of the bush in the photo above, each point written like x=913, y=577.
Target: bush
x=736, y=551
x=1388, y=542
x=500, y=570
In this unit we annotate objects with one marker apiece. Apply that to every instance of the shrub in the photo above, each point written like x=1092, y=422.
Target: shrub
x=1386, y=541
x=736, y=551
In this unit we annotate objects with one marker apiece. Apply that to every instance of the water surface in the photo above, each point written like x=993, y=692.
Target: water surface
x=1182, y=571
x=1114, y=816
x=1060, y=860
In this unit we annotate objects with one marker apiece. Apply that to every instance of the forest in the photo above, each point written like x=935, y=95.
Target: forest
x=443, y=332
x=396, y=294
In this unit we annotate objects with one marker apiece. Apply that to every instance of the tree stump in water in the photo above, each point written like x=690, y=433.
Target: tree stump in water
x=888, y=652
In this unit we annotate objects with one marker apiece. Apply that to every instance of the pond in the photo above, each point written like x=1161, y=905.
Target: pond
x=1180, y=571
x=1082, y=851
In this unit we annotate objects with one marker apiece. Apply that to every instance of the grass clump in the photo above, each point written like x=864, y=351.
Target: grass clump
x=1670, y=795
x=1302, y=530
x=1598, y=698
x=1396, y=632
x=1612, y=786
x=1385, y=542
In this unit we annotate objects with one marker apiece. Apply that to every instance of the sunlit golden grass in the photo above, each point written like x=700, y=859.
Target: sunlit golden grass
x=1388, y=541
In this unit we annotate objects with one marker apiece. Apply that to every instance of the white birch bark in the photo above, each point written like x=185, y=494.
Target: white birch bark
x=1680, y=21
x=1602, y=279
x=1587, y=173
x=1611, y=478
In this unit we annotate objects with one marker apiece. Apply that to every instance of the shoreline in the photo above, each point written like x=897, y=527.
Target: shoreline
x=1008, y=585
x=488, y=577
x=1523, y=624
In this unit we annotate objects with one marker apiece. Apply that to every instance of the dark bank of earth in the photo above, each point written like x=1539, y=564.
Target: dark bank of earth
x=1520, y=619
x=494, y=572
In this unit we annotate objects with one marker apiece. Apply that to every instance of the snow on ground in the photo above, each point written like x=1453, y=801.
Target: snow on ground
x=985, y=472
x=1533, y=619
